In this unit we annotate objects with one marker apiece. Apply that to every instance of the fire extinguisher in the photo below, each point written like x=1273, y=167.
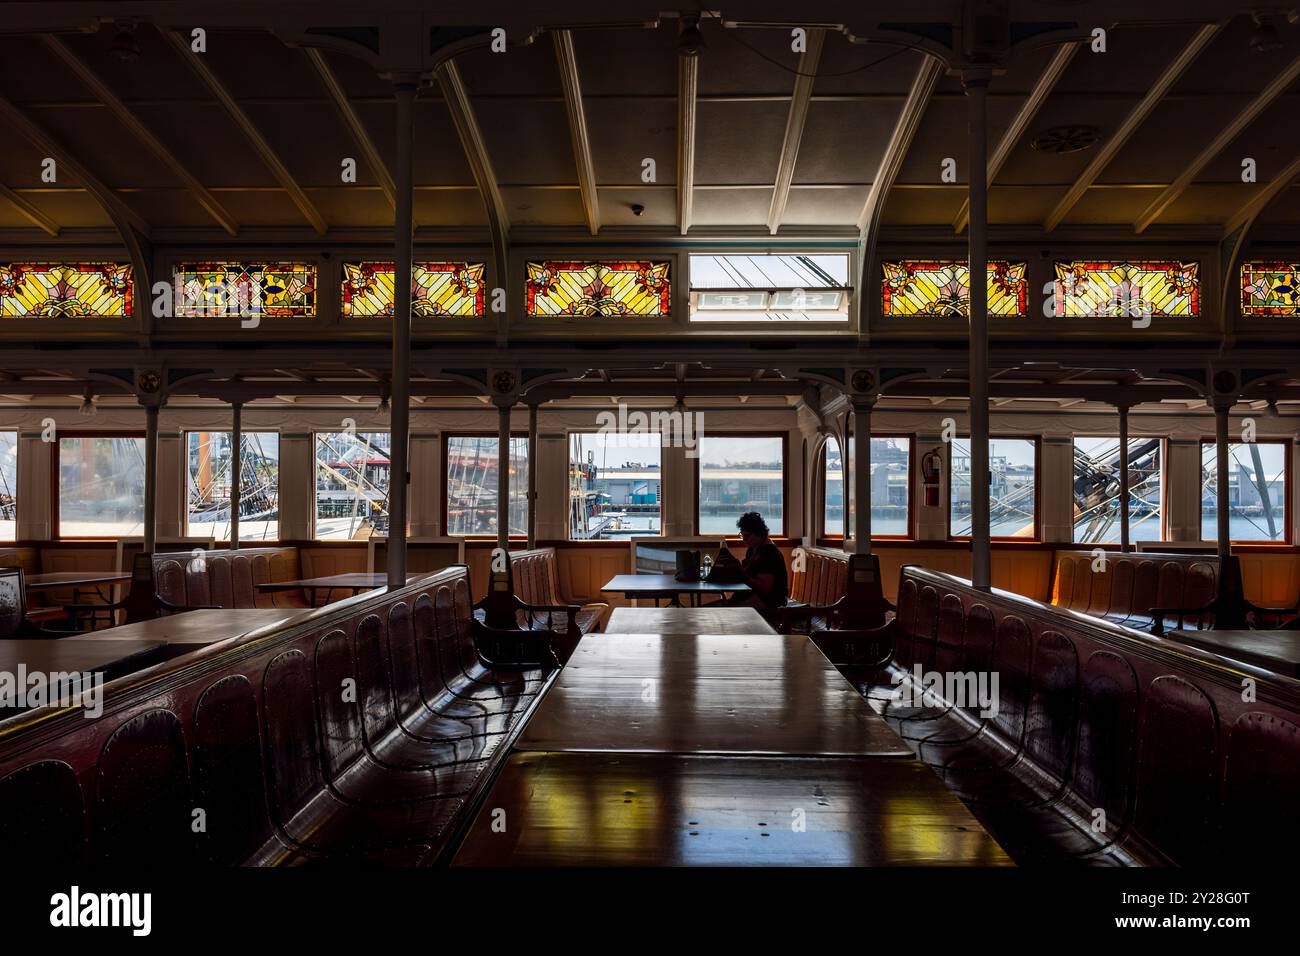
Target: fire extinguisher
x=931, y=465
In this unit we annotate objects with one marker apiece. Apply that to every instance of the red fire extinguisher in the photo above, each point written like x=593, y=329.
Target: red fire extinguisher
x=931, y=465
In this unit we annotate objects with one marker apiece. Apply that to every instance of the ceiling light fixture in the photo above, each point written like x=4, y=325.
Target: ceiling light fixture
x=690, y=41
x=87, y=409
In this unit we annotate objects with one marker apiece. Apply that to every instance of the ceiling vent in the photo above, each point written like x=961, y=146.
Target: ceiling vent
x=1066, y=139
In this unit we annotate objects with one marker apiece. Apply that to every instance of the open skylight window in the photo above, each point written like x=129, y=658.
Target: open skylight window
x=770, y=288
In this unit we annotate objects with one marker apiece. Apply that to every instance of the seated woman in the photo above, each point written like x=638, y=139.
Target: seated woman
x=763, y=565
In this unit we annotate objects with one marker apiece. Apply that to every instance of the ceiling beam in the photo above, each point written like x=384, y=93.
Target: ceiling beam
x=352, y=121
x=688, y=88
x=118, y=211
x=29, y=212
x=567, y=61
x=254, y=136
x=1136, y=117
x=800, y=100
x=909, y=121
x=1020, y=123
x=127, y=118
x=1247, y=115
x=458, y=105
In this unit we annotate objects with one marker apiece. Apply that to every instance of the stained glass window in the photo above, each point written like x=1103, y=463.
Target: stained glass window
x=1270, y=288
x=942, y=287
x=267, y=289
x=437, y=289
x=1129, y=289
x=598, y=288
x=65, y=289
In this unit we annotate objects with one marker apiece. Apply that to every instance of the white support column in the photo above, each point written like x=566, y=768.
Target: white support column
x=236, y=469
x=34, y=492
x=503, y=476
x=150, y=477
x=794, y=524
x=552, y=486
x=1056, y=489
x=173, y=492
x=1183, y=489
x=532, y=475
x=297, y=470
x=678, y=491
x=428, y=486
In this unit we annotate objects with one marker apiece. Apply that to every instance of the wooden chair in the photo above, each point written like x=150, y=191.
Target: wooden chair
x=17, y=620
x=501, y=639
x=863, y=606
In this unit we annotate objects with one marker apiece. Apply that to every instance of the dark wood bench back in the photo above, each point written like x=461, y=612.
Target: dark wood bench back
x=1123, y=588
x=250, y=731
x=228, y=578
x=1155, y=734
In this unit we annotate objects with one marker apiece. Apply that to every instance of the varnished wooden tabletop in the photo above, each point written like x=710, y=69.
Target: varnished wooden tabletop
x=72, y=579
x=569, y=809
x=711, y=694
x=201, y=627
x=1277, y=651
x=650, y=584
x=73, y=654
x=687, y=620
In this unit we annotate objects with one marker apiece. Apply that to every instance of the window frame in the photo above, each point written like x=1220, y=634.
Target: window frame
x=312, y=478
x=446, y=488
x=18, y=470
x=56, y=531
x=715, y=326
x=1037, y=536
x=568, y=531
x=910, y=534
x=185, y=484
x=785, y=480
x=1164, y=484
x=1287, y=448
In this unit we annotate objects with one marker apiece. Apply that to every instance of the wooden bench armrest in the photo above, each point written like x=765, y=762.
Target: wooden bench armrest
x=866, y=647
x=533, y=648
x=1158, y=615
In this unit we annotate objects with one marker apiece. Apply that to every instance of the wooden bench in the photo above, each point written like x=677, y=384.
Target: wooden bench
x=362, y=731
x=1125, y=588
x=821, y=583
x=228, y=578
x=536, y=581
x=1109, y=746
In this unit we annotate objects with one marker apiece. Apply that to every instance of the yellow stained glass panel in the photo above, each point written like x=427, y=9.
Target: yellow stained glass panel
x=1128, y=289
x=942, y=287
x=437, y=289
x=580, y=288
x=66, y=289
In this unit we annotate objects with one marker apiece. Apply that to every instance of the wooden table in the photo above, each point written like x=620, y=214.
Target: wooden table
x=198, y=628
x=658, y=586
x=685, y=620
x=354, y=581
x=78, y=654
x=573, y=809
x=75, y=579
x=1277, y=651
x=706, y=694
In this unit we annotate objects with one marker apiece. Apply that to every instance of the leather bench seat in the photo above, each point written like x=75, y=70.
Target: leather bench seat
x=229, y=578
x=1108, y=747
x=1123, y=588
x=359, y=733
x=536, y=579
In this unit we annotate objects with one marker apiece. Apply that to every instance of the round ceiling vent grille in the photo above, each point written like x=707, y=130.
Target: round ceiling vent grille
x=1066, y=139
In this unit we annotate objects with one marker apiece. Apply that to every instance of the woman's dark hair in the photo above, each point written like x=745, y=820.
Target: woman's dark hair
x=753, y=523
